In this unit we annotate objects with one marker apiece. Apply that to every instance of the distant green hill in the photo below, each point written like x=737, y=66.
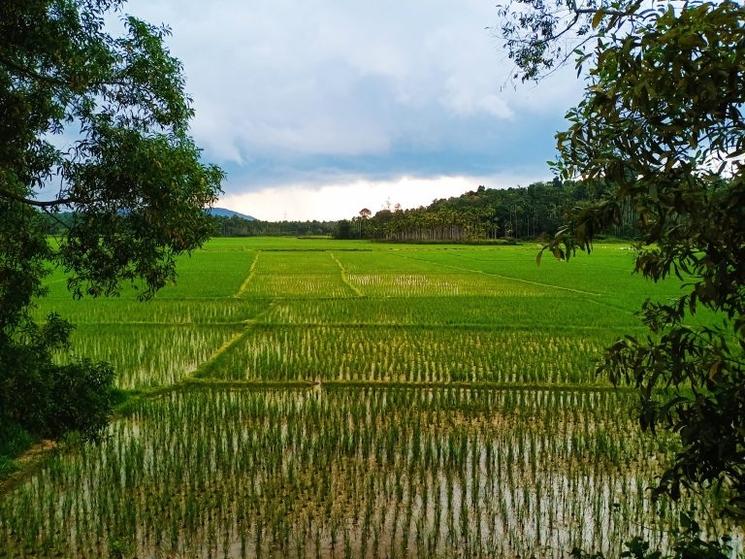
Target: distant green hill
x=224, y=212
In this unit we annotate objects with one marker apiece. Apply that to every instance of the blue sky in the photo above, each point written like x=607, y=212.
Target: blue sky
x=318, y=108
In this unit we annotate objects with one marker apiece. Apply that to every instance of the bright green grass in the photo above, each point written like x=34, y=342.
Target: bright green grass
x=444, y=405
x=606, y=275
x=276, y=309
x=214, y=272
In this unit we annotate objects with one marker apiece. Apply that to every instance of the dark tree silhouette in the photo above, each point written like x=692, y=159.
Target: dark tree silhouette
x=661, y=124
x=128, y=169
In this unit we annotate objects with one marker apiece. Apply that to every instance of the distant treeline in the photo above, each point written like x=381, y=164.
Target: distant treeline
x=227, y=226
x=238, y=227
x=482, y=215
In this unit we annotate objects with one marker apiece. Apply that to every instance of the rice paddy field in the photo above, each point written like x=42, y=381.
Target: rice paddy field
x=318, y=398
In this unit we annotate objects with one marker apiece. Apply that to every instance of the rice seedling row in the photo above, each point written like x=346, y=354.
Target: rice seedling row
x=496, y=310
x=324, y=404
x=146, y=356
x=395, y=354
x=374, y=473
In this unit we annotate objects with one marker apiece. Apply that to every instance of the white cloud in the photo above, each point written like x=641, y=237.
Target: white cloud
x=323, y=77
x=344, y=199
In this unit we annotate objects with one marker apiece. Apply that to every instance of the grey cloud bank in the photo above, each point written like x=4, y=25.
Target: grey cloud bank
x=294, y=92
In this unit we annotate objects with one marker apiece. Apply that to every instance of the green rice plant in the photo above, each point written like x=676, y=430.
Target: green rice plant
x=492, y=310
x=606, y=276
x=258, y=472
x=397, y=354
x=454, y=410
x=151, y=355
x=438, y=284
x=297, y=286
x=107, y=311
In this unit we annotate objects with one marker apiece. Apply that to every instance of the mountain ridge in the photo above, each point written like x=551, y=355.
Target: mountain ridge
x=224, y=212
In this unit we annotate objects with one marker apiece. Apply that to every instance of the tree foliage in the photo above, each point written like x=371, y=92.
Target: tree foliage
x=661, y=123
x=99, y=124
x=239, y=227
x=486, y=214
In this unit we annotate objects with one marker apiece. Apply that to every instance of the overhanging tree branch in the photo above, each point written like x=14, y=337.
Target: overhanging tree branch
x=32, y=74
x=39, y=203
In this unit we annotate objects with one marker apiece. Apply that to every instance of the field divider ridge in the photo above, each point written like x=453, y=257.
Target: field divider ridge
x=345, y=276
x=204, y=369
x=249, y=277
x=196, y=383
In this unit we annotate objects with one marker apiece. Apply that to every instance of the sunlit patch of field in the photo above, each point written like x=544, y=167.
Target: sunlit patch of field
x=539, y=311
x=396, y=354
x=295, y=274
x=297, y=286
x=388, y=261
x=296, y=262
x=157, y=311
x=438, y=284
x=607, y=274
x=145, y=356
